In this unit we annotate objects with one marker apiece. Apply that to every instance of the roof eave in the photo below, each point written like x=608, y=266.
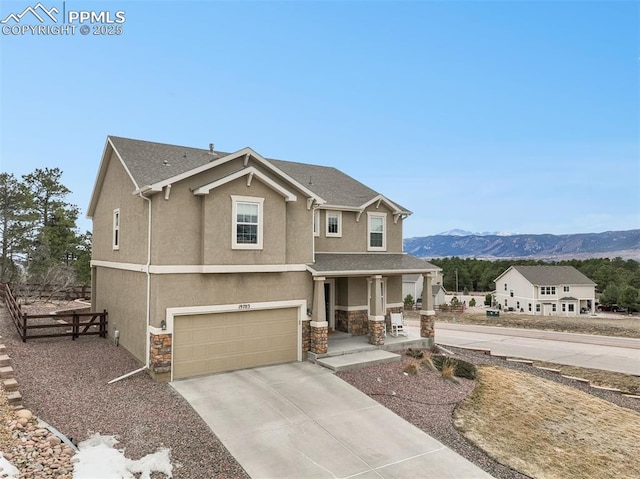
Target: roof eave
x=109, y=148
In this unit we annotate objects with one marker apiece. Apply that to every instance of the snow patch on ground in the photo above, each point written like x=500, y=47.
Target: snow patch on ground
x=8, y=470
x=98, y=459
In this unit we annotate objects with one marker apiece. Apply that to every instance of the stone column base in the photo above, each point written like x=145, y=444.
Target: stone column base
x=319, y=337
x=376, y=330
x=427, y=320
x=160, y=356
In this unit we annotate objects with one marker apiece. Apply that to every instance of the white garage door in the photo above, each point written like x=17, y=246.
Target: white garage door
x=218, y=342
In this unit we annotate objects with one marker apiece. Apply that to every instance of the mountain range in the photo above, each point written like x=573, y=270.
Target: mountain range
x=625, y=244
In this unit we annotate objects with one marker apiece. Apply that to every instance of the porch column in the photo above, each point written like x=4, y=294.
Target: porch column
x=319, y=325
x=427, y=314
x=376, y=318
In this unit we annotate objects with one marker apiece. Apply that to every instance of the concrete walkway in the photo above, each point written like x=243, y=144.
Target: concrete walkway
x=299, y=420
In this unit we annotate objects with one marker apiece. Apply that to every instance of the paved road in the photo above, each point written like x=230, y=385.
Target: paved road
x=590, y=351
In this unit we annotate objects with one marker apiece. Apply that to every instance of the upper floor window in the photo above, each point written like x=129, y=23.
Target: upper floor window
x=505, y=286
x=565, y=289
x=377, y=234
x=116, y=228
x=547, y=290
x=334, y=223
x=247, y=222
x=316, y=222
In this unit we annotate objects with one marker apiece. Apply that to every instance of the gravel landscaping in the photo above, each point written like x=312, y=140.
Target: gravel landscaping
x=64, y=382
x=428, y=401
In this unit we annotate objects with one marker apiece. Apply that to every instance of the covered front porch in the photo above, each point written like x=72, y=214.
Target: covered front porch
x=354, y=295
x=347, y=352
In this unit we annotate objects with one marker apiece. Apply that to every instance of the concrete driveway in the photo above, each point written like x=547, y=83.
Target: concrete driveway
x=298, y=420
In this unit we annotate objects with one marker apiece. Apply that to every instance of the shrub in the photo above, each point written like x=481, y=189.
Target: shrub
x=488, y=299
x=415, y=353
x=472, y=303
x=448, y=369
x=412, y=368
x=408, y=301
x=463, y=369
x=427, y=361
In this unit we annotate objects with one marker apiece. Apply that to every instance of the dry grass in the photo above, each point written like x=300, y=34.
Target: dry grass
x=412, y=368
x=547, y=430
x=625, y=382
x=602, y=324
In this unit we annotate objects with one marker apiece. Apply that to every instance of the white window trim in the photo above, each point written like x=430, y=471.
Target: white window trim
x=339, y=216
x=384, y=231
x=316, y=222
x=234, y=224
x=116, y=238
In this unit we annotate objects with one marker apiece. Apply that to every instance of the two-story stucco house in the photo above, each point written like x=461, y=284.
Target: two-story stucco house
x=545, y=290
x=209, y=261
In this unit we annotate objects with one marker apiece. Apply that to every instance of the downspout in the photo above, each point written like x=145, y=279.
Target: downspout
x=148, y=341
x=148, y=312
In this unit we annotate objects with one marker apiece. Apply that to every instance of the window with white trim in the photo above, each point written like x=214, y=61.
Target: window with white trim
x=377, y=237
x=547, y=290
x=247, y=222
x=571, y=307
x=537, y=308
x=334, y=224
x=116, y=229
x=565, y=289
x=316, y=222
x=553, y=307
x=564, y=307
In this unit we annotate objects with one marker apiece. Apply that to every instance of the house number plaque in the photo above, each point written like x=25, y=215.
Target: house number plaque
x=244, y=306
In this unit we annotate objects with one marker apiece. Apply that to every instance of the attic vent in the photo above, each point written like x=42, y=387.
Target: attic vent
x=211, y=152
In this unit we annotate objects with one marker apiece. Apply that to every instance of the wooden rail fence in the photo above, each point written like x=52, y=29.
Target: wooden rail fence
x=446, y=308
x=50, y=292
x=74, y=324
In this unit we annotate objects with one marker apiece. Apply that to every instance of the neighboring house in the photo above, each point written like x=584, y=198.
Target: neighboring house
x=412, y=284
x=209, y=261
x=545, y=290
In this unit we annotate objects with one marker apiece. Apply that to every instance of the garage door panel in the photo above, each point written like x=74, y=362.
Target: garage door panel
x=217, y=342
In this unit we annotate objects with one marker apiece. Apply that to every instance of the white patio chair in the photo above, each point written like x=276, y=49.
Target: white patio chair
x=397, y=325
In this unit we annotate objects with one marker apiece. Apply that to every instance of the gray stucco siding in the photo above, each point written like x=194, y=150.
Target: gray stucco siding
x=179, y=290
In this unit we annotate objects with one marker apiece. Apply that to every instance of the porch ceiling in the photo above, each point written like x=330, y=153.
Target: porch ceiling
x=367, y=264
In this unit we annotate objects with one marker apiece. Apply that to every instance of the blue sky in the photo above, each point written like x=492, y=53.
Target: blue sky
x=486, y=116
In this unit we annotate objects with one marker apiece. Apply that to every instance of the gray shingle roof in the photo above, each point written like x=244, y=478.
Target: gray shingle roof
x=553, y=275
x=150, y=163
x=329, y=183
x=378, y=263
